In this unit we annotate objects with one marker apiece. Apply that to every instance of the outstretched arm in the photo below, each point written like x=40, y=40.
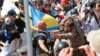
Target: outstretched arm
x=42, y=45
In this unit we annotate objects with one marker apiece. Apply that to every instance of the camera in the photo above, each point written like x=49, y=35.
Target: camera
x=78, y=52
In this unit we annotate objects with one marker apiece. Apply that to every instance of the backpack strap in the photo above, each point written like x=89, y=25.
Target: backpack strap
x=42, y=34
x=92, y=14
x=88, y=14
x=96, y=19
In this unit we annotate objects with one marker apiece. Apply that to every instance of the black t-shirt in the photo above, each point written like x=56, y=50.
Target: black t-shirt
x=20, y=24
x=40, y=37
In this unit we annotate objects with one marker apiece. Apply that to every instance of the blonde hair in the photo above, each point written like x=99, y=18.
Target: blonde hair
x=94, y=39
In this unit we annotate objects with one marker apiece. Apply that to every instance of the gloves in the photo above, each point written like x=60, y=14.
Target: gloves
x=50, y=53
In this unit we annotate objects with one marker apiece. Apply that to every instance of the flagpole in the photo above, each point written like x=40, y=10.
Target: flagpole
x=0, y=10
x=29, y=39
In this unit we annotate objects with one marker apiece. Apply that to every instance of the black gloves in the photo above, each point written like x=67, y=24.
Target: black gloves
x=50, y=53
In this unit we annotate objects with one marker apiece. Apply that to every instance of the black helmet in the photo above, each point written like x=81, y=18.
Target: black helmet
x=11, y=13
x=61, y=45
x=9, y=26
x=74, y=12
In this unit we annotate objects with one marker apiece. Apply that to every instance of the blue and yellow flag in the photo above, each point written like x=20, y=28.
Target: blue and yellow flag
x=37, y=15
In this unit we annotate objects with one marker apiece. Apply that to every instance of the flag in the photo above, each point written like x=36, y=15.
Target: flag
x=37, y=15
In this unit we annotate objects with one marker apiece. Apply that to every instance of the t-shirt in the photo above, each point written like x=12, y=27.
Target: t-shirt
x=20, y=23
x=40, y=37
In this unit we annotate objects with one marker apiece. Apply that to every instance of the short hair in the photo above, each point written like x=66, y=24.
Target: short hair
x=40, y=23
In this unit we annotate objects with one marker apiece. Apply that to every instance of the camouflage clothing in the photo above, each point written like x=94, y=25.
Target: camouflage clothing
x=76, y=35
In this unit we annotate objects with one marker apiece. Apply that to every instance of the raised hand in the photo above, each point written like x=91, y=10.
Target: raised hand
x=87, y=50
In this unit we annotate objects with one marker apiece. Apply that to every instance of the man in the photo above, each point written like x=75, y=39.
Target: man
x=41, y=48
x=39, y=41
x=73, y=33
x=91, y=19
x=20, y=21
x=72, y=27
x=10, y=40
x=10, y=17
x=66, y=5
x=91, y=50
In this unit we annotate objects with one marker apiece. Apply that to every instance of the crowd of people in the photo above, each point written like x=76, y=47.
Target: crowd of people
x=78, y=33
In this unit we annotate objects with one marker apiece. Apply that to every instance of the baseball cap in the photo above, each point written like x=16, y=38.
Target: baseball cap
x=11, y=13
x=64, y=1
